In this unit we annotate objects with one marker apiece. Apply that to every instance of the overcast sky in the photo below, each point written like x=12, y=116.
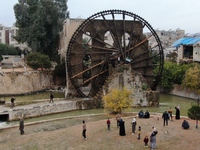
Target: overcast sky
x=161, y=14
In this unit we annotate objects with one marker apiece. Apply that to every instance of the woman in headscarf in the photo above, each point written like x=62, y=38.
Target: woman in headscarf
x=177, y=112
x=153, y=138
x=122, y=128
x=134, y=123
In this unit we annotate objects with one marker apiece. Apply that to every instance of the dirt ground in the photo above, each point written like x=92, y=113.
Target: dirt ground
x=66, y=135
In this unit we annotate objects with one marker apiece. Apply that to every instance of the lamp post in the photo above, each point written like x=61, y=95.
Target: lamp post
x=197, y=114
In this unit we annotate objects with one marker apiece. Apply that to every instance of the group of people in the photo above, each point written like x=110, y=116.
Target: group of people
x=12, y=100
x=141, y=114
x=167, y=115
x=120, y=124
x=21, y=120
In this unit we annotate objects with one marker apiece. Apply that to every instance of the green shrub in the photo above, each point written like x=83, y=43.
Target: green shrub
x=37, y=60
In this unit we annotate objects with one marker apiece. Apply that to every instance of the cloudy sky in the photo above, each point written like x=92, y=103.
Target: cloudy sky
x=161, y=14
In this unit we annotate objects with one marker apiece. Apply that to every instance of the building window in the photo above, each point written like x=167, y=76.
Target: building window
x=12, y=38
x=12, y=31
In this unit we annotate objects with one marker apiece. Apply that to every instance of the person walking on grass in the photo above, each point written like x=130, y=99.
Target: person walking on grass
x=118, y=119
x=177, y=112
x=139, y=133
x=134, y=123
x=51, y=97
x=122, y=131
x=153, y=138
x=84, y=130
x=21, y=125
x=170, y=114
x=108, y=124
x=165, y=117
x=12, y=100
x=146, y=140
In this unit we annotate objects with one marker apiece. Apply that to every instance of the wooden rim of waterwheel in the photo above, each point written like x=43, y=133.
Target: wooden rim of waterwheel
x=108, y=36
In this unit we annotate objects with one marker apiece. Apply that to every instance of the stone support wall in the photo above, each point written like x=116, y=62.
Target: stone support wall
x=14, y=83
x=36, y=111
x=42, y=109
x=142, y=95
x=183, y=92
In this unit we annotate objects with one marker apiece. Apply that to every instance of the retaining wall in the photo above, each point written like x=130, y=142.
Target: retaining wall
x=39, y=110
x=183, y=92
x=12, y=83
x=44, y=108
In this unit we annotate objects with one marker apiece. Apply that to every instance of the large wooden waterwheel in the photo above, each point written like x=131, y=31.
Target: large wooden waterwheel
x=107, y=37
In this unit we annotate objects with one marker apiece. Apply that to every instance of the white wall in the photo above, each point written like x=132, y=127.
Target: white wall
x=196, y=53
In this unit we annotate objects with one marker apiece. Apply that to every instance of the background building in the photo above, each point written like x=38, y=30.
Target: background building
x=4, y=34
x=7, y=37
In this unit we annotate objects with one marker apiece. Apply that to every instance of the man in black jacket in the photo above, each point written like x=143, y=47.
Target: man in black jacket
x=185, y=125
x=165, y=116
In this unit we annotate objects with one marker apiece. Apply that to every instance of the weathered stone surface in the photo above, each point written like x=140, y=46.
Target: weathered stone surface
x=142, y=95
x=25, y=82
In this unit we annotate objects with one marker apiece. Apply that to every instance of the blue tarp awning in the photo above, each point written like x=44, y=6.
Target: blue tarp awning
x=186, y=41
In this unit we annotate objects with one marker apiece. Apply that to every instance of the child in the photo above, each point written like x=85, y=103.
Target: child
x=108, y=124
x=146, y=140
x=139, y=132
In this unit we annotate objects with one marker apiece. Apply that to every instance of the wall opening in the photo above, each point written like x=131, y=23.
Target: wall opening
x=4, y=117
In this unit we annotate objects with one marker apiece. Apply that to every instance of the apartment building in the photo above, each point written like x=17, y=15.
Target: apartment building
x=4, y=34
x=12, y=32
x=69, y=27
x=7, y=37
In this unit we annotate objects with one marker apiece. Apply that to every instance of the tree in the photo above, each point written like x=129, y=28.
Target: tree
x=192, y=81
x=172, y=57
x=117, y=100
x=6, y=49
x=38, y=60
x=194, y=113
x=39, y=23
x=172, y=74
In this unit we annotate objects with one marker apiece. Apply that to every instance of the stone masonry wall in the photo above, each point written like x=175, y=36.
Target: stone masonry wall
x=13, y=83
x=142, y=95
x=36, y=111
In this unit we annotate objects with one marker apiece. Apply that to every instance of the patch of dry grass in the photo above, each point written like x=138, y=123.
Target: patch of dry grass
x=66, y=135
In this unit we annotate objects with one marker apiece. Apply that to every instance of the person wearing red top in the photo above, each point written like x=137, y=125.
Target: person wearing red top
x=108, y=124
x=146, y=140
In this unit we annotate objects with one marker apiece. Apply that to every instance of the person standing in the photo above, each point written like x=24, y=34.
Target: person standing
x=153, y=138
x=139, y=132
x=21, y=125
x=12, y=100
x=146, y=140
x=84, y=130
x=51, y=97
x=134, y=123
x=117, y=119
x=165, y=117
x=170, y=113
x=177, y=112
x=108, y=124
x=122, y=128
